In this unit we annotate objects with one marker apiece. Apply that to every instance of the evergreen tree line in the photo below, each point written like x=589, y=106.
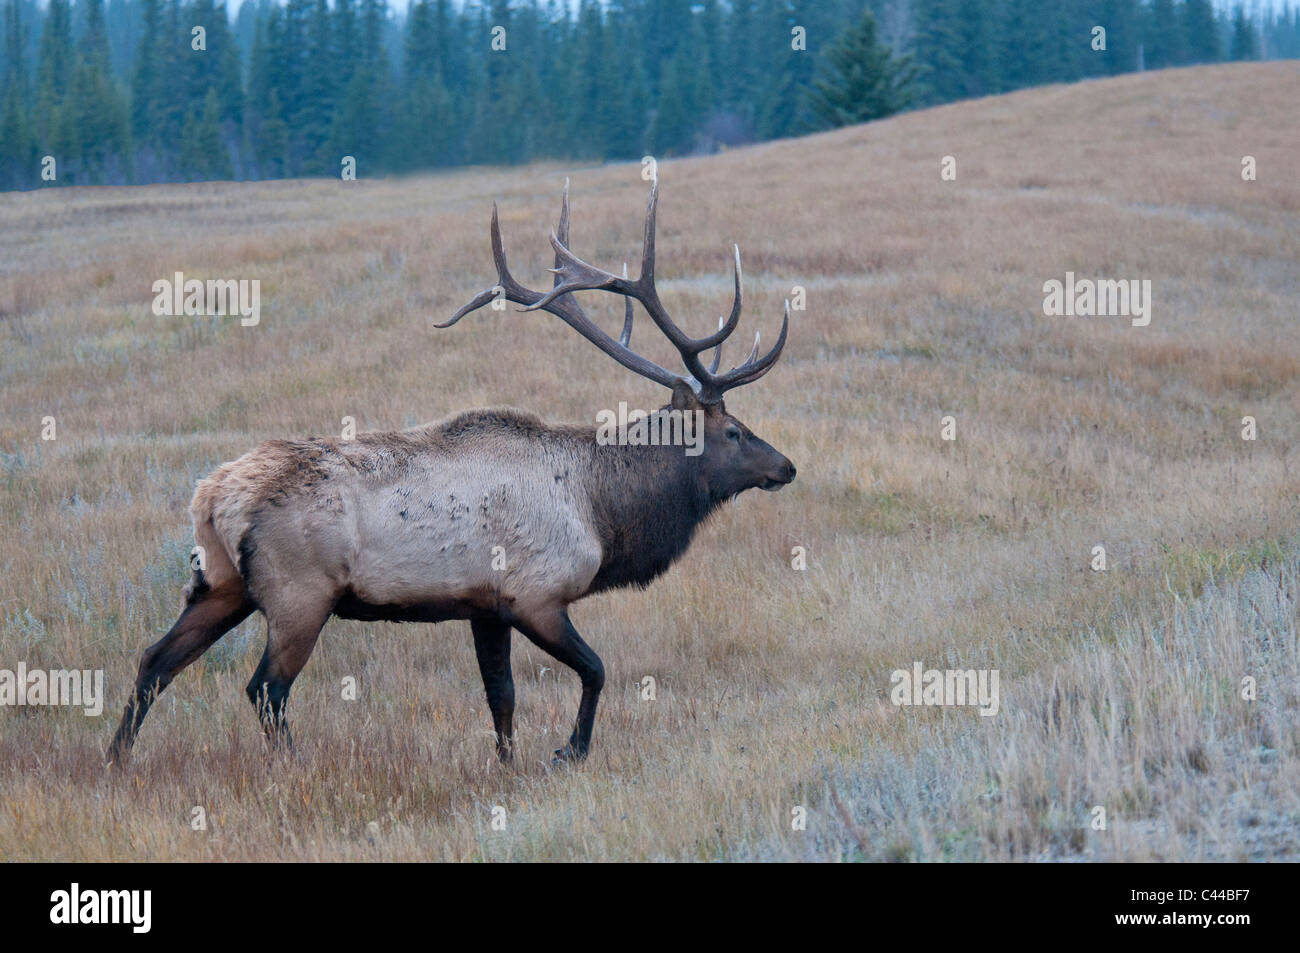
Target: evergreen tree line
x=976, y=48
x=176, y=90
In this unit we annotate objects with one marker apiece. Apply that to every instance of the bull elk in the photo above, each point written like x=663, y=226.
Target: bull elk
x=401, y=526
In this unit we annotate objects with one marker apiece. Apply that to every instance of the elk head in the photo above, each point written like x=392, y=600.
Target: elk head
x=733, y=458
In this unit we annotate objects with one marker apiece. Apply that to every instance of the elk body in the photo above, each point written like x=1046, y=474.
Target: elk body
x=491, y=516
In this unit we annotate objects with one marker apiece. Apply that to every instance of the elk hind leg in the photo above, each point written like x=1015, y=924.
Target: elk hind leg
x=208, y=615
x=552, y=632
x=291, y=634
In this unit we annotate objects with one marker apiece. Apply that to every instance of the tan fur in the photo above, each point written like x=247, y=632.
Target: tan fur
x=408, y=517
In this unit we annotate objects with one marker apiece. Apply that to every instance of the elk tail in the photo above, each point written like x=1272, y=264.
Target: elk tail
x=215, y=559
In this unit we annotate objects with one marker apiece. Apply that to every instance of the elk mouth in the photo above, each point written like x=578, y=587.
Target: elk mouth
x=779, y=479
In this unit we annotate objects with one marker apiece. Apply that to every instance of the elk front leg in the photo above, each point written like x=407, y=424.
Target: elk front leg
x=552, y=632
x=492, y=645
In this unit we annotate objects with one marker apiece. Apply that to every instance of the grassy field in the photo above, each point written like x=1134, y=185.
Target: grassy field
x=1119, y=689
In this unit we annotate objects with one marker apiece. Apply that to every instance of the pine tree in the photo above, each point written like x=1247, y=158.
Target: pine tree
x=426, y=105
x=148, y=88
x=1244, y=43
x=1201, y=32
x=364, y=112
x=318, y=93
x=742, y=60
x=587, y=55
x=273, y=143
x=677, y=117
x=940, y=46
x=17, y=152
x=55, y=121
x=203, y=153
x=220, y=64
x=55, y=54
x=1027, y=53
x=99, y=107
x=979, y=56
x=174, y=98
x=863, y=79
x=17, y=149
x=1121, y=19
x=259, y=90
x=621, y=108
x=1166, y=44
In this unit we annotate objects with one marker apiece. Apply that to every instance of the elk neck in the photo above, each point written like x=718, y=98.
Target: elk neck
x=647, y=503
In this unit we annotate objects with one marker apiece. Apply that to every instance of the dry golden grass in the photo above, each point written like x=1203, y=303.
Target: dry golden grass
x=1119, y=689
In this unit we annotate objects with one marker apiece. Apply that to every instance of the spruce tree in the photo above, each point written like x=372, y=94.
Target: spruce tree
x=318, y=93
x=1201, y=32
x=1122, y=21
x=1166, y=44
x=98, y=106
x=203, y=153
x=1244, y=43
x=146, y=80
x=54, y=123
x=940, y=45
x=17, y=149
x=423, y=127
x=863, y=80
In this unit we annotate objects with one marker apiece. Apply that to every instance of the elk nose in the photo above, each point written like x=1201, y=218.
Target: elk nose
x=790, y=471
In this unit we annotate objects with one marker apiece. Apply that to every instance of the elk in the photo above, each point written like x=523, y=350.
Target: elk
x=402, y=526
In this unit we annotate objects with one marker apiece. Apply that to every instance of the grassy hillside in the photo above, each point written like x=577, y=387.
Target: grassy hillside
x=1119, y=689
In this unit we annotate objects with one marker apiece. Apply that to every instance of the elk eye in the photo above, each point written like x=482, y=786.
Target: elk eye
x=733, y=433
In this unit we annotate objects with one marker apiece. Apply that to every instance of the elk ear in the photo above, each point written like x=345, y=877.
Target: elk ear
x=684, y=396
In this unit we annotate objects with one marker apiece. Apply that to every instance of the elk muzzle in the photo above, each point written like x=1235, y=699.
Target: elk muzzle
x=780, y=476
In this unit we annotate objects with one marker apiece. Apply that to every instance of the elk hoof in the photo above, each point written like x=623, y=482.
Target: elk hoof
x=569, y=754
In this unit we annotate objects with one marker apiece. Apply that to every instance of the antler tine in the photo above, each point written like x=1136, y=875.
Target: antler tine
x=717, y=354
x=626, y=337
x=752, y=369
x=733, y=320
x=647, y=276
x=577, y=275
x=562, y=230
x=574, y=274
x=480, y=299
x=506, y=281
x=725, y=327
x=566, y=309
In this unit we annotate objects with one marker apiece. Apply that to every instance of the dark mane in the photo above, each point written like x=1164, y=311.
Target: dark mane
x=648, y=503
x=489, y=420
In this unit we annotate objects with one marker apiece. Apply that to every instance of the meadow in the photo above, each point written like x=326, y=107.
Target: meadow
x=1120, y=689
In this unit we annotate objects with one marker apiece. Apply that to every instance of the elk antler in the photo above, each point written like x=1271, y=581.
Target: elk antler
x=573, y=274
